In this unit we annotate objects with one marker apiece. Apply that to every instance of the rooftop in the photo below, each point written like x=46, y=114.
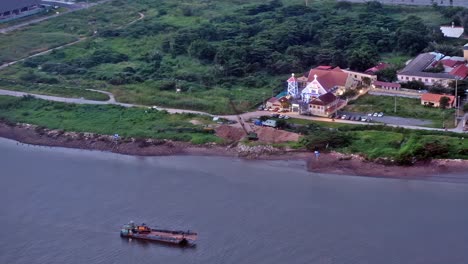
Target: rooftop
x=452, y=31
x=387, y=84
x=430, y=97
x=9, y=5
x=328, y=77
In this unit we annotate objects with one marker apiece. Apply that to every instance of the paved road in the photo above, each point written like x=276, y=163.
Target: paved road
x=71, y=8
x=244, y=116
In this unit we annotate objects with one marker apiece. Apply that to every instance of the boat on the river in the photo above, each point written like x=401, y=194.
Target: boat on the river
x=143, y=231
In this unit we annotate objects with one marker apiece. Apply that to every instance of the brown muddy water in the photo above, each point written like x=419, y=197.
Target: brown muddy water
x=66, y=206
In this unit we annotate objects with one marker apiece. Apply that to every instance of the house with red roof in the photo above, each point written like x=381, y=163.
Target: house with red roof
x=433, y=100
x=323, y=105
x=376, y=68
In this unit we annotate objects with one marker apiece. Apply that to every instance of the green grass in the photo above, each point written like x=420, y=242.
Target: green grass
x=106, y=119
x=395, y=145
x=406, y=107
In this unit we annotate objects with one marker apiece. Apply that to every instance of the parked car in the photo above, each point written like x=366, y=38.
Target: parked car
x=380, y=114
x=275, y=115
x=270, y=123
x=281, y=116
x=375, y=114
x=356, y=118
x=369, y=114
x=349, y=117
x=260, y=108
x=286, y=117
x=343, y=117
x=364, y=119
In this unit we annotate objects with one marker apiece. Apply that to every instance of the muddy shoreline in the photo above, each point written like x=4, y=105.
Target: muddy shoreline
x=331, y=163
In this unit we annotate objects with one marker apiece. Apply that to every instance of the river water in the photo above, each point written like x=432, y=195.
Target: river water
x=66, y=206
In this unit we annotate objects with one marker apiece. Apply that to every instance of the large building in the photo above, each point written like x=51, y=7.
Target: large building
x=317, y=90
x=419, y=70
x=10, y=9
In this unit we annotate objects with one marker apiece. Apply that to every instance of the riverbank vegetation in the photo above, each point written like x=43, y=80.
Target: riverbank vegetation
x=197, y=54
x=107, y=120
x=386, y=144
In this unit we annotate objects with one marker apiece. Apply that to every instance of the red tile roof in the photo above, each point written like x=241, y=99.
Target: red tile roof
x=435, y=98
x=460, y=71
x=378, y=67
x=451, y=63
x=328, y=78
x=324, y=99
x=387, y=84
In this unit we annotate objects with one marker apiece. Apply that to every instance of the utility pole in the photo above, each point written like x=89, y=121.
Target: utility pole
x=456, y=102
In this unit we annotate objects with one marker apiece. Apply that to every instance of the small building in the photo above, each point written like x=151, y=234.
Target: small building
x=277, y=103
x=359, y=78
x=10, y=9
x=386, y=85
x=433, y=100
x=380, y=66
x=452, y=31
x=323, y=105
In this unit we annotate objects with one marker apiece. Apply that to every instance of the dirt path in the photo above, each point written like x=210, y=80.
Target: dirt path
x=68, y=44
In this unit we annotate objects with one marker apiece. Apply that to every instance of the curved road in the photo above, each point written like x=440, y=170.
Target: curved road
x=245, y=116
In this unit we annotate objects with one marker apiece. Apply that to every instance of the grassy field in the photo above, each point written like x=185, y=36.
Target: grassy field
x=406, y=107
x=61, y=91
x=206, y=78
x=107, y=120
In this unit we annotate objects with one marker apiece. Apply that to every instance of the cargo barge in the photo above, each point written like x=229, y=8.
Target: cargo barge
x=143, y=231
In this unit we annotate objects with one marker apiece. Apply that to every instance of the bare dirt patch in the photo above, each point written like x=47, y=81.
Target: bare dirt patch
x=271, y=135
x=230, y=132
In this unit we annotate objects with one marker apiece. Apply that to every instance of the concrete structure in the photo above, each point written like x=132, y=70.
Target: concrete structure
x=462, y=3
x=11, y=9
x=433, y=100
x=358, y=78
x=386, y=85
x=465, y=52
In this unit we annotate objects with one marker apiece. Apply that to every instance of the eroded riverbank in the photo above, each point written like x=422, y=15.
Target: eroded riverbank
x=332, y=162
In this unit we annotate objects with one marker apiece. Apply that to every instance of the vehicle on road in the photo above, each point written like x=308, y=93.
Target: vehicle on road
x=343, y=117
x=380, y=114
x=286, y=117
x=364, y=119
x=375, y=114
x=369, y=114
